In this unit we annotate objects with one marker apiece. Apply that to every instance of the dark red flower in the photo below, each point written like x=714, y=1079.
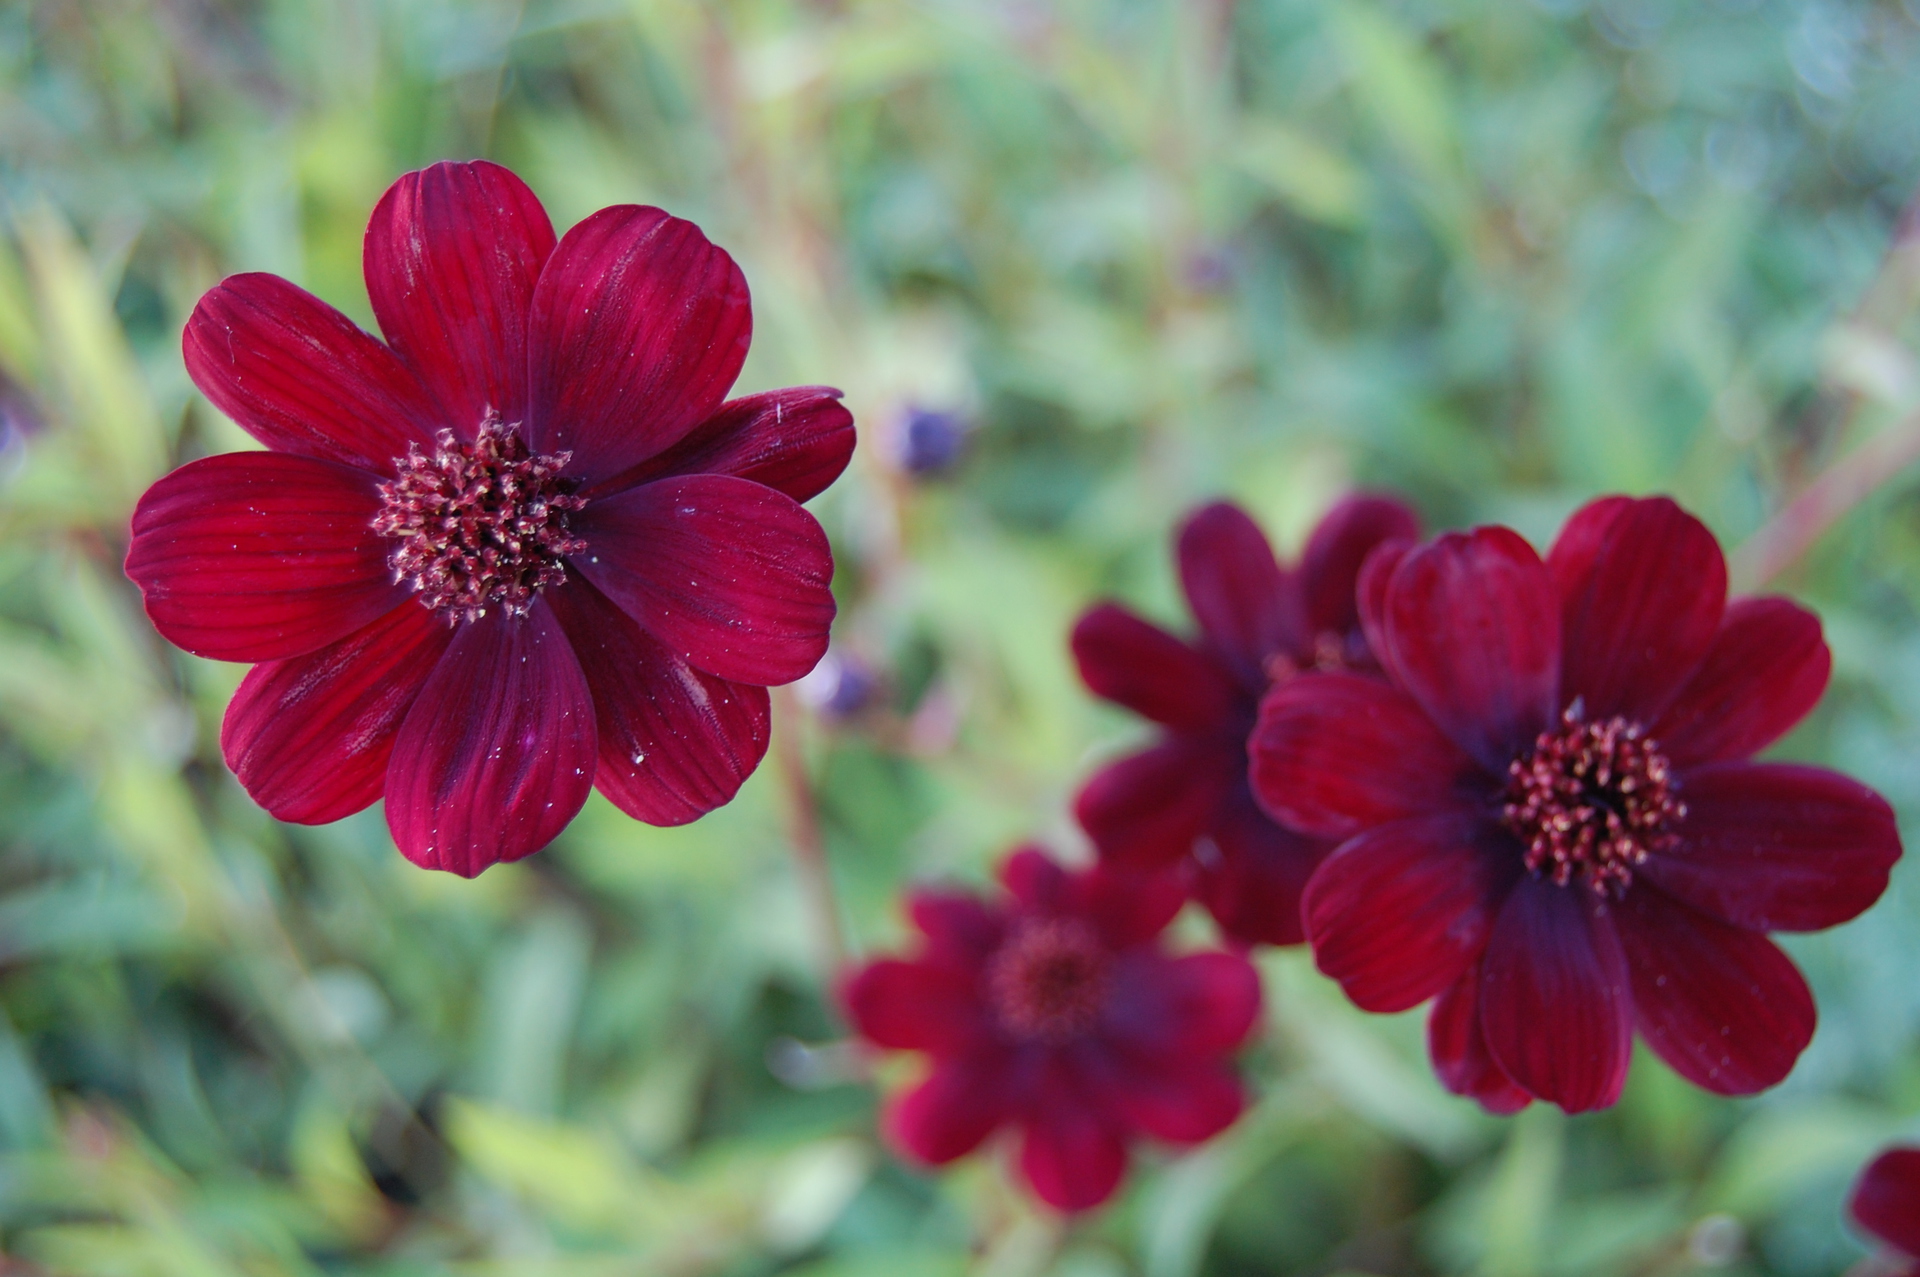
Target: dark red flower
x=1550, y=820
x=1886, y=1203
x=1056, y=1010
x=520, y=549
x=1185, y=799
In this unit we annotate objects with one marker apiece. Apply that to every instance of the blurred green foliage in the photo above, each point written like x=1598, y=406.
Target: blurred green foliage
x=1500, y=255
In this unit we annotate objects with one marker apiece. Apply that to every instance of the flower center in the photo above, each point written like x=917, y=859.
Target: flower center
x=1592, y=798
x=478, y=524
x=1048, y=979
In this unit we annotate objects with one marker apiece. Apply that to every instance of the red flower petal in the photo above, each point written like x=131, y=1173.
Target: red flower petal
x=960, y=930
x=1145, y=810
x=1554, y=1002
x=639, y=327
x=301, y=377
x=1886, y=1201
x=1473, y=624
x=1071, y=1157
x=451, y=257
x=1125, y=909
x=674, y=742
x=729, y=574
x=1643, y=585
x=497, y=753
x=1370, y=598
x=1251, y=877
x=1185, y=1105
x=309, y=737
x=255, y=556
x=1459, y=1049
x=915, y=1006
x=1767, y=667
x=1185, y=1008
x=1778, y=847
x=1246, y=606
x=1036, y=880
x=1330, y=567
x=1398, y=913
x=957, y=1106
x=1137, y=664
x=795, y=441
x=1720, y=1004
x=1336, y=753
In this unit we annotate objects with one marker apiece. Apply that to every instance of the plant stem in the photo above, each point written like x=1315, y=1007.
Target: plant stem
x=1789, y=534
x=809, y=847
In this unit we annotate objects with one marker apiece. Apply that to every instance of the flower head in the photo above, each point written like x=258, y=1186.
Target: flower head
x=518, y=549
x=1184, y=800
x=1886, y=1203
x=1551, y=820
x=1056, y=1010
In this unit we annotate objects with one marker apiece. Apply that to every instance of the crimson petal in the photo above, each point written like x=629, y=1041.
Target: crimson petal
x=301, y=377
x=915, y=1006
x=1642, y=585
x=309, y=737
x=1886, y=1201
x=1125, y=908
x=955, y=1108
x=1459, y=1049
x=1135, y=663
x=256, y=556
x=1182, y=1105
x=497, y=753
x=1189, y=1007
x=1554, y=999
x=452, y=255
x=1473, y=627
x=960, y=931
x=639, y=327
x=1778, y=846
x=1400, y=912
x=1251, y=877
x=1145, y=810
x=1766, y=669
x=1036, y=880
x=675, y=742
x=1336, y=753
x=1720, y=1004
x=1339, y=546
x=1248, y=609
x=730, y=575
x=795, y=441
x=1070, y=1155
x=1370, y=598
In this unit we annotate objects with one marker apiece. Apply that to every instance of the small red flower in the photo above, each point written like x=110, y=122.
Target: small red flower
x=1886, y=1203
x=520, y=549
x=1056, y=1010
x=1185, y=799
x=1550, y=820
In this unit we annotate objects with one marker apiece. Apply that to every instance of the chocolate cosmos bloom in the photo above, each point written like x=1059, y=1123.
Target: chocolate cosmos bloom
x=1886, y=1203
x=1057, y=1011
x=1185, y=799
x=519, y=549
x=1551, y=821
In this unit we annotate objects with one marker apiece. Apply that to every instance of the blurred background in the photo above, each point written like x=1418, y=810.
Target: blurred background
x=1078, y=266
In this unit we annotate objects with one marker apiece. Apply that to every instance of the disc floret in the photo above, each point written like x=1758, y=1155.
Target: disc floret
x=479, y=525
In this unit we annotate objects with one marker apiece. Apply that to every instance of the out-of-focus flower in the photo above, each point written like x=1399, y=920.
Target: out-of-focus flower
x=1550, y=819
x=931, y=441
x=1185, y=799
x=520, y=548
x=841, y=687
x=1057, y=1011
x=1886, y=1203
